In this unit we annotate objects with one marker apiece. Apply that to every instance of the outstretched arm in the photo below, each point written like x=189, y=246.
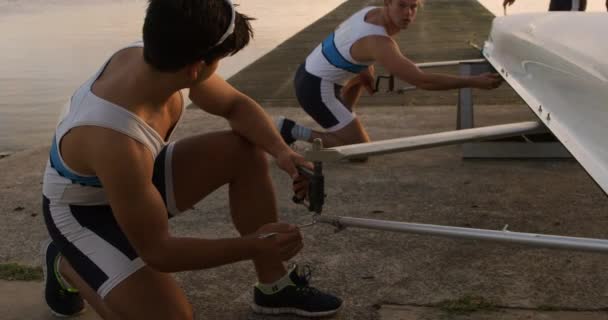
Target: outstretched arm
x=386, y=52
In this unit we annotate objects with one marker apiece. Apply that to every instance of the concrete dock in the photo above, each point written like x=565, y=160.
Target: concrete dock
x=441, y=31
x=381, y=275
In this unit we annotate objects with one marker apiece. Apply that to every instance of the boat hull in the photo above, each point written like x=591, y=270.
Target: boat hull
x=558, y=64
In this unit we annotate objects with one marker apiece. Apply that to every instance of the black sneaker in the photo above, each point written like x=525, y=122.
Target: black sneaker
x=63, y=301
x=298, y=298
x=284, y=126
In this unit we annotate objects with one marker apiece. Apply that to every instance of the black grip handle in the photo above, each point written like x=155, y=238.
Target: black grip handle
x=316, y=188
x=391, y=83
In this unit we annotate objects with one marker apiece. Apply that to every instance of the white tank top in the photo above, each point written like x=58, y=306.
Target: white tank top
x=62, y=184
x=331, y=60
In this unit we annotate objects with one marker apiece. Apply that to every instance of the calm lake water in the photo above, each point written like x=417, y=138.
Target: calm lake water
x=50, y=46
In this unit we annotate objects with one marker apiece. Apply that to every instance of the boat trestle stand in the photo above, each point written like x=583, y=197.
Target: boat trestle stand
x=540, y=145
x=316, y=189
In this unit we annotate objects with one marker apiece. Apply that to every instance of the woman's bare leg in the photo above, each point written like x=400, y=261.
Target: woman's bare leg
x=352, y=133
x=92, y=298
x=146, y=294
x=201, y=164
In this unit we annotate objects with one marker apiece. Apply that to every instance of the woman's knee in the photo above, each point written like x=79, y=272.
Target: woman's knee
x=349, y=138
x=254, y=156
x=352, y=133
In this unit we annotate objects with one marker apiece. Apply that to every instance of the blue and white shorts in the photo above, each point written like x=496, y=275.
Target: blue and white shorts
x=322, y=100
x=91, y=240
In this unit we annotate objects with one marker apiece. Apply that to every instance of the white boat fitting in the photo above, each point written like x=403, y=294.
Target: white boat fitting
x=558, y=63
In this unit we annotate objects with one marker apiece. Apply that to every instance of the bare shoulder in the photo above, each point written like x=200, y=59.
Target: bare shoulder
x=382, y=41
x=373, y=43
x=367, y=48
x=119, y=62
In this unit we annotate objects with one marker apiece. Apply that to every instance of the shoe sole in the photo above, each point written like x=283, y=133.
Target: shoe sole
x=59, y=315
x=303, y=313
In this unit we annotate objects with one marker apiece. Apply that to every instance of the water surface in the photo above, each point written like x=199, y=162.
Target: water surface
x=49, y=47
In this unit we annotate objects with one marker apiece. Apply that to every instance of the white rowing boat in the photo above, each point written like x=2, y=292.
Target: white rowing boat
x=558, y=63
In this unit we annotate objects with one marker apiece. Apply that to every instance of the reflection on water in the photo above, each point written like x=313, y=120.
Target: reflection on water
x=50, y=47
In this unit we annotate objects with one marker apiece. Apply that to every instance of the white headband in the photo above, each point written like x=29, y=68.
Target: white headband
x=230, y=29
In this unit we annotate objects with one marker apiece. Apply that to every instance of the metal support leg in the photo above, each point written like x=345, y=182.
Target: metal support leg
x=316, y=183
x=464, y=118
x=497, y=149
x=465, y=95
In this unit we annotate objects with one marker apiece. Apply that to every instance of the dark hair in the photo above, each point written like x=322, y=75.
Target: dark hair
x=180, y=32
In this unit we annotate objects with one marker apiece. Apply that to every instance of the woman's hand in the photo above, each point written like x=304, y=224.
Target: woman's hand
x=288, y=161
x=278, y=240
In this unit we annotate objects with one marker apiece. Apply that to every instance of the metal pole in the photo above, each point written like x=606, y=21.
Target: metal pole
x=448, y=63
x=529, y=239
x=465, y=115
x=424, y=141
x=420, y=65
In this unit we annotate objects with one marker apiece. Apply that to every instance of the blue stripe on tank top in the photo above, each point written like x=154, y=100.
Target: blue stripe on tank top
x=331, y=53
x=64, y=172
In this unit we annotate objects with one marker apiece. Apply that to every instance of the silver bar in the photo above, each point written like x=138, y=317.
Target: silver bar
x=424, y=141
x=423, y=65
x=529, y=239
x=447, y=63
x=403, y=90
x=474, y=45
x=267, y=235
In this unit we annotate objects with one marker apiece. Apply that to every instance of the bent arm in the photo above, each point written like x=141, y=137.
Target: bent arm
x=245, y=116
x=387, y=53
x=126, y=176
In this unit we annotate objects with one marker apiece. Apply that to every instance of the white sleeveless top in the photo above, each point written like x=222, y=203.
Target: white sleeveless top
x=331, y=60
x=62, y=185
